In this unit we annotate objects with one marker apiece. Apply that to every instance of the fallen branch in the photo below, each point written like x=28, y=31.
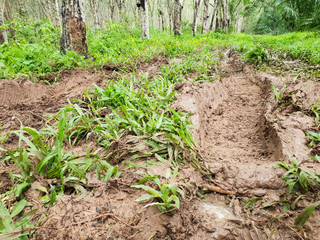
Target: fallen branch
x=215, y=189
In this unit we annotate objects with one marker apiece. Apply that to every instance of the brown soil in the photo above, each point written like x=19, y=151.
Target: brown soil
x=240, y=132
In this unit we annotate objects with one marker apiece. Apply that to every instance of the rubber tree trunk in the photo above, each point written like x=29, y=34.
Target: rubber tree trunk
x=218, y=16
x=74, y=34
x=94, y=9
x=22, y=10
x=144, y=18
x=214, y=16
x=195, y=16
x=205, y=17
x=3, y=34
x=177, y=18
x=57, y=15
x=226, y=15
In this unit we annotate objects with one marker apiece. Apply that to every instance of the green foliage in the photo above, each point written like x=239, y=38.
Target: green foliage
x=256, y=55
x=136, y=106
x=280, y=16
x=278, y=94
x=305, y=214
x=44, y=155
x=297, y=177
x=313, y=136
x=167, y=196
x=315, y=110
x=34, y=50
x=11, y=223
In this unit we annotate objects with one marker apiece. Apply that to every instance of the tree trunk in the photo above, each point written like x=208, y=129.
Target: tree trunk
x=3, y=34
x=8, y=10
x=226, y=15
x=161, y=20
x=112, y=7
x=214, y=15
x=205, y=17
x=218, y=17
x=58, y=19
x=177, y=18
x=74, y=34
x=170, y=8
x=195, y=17
x=239, y=24
x=22, y=10
x=94, y=9
x=144, y=18
x=120, y=4
x=48, y=10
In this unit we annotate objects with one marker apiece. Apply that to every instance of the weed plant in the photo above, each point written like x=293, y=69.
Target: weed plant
x=315, y=110
x=298, y=178
x=313, y=137
x=167, y=197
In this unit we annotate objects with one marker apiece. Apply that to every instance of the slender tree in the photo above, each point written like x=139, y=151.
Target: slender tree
x=177, y=18
x=57, y=15
x=143, y=6
x=3, y=34
x=74, y=34
x=215, y=16
x=205, y=17
x=94, y=9
x=226, y=15
x=195, y=16
x=170, y=8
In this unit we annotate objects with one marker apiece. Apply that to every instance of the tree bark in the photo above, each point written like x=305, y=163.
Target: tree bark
x=74, y=34
x=170, y=8
x=22, y=10
x=144, y=18
x=161, y=19
x=8, y=10
x=226, y=15
x=3, y=34
x=94, y=9
x=58, y=19
x=205, y=17
x=195, y=17
x=120, y=4
x=177, y=18
x=218, y=16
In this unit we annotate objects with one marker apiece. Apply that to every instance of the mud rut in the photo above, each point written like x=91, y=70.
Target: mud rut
x=235, y=136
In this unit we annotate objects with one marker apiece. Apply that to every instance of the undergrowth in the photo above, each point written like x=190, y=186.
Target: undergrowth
x=129, y=118
x=33, y=50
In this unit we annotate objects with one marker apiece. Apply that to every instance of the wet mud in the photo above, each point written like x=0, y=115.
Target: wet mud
x=241, y=133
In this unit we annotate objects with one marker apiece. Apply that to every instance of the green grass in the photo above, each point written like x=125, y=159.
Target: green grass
x=34, y=50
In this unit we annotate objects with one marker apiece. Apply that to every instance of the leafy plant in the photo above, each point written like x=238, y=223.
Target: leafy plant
x=167, y=196
x=305, y=214
x=314, y=137
x=44, y=155
x=256, y=55
x=315, y=110
x=10, y=221
x=297, y=177
x=278, y=94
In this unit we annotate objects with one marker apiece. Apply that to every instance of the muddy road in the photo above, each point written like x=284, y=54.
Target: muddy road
x=241, y=133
